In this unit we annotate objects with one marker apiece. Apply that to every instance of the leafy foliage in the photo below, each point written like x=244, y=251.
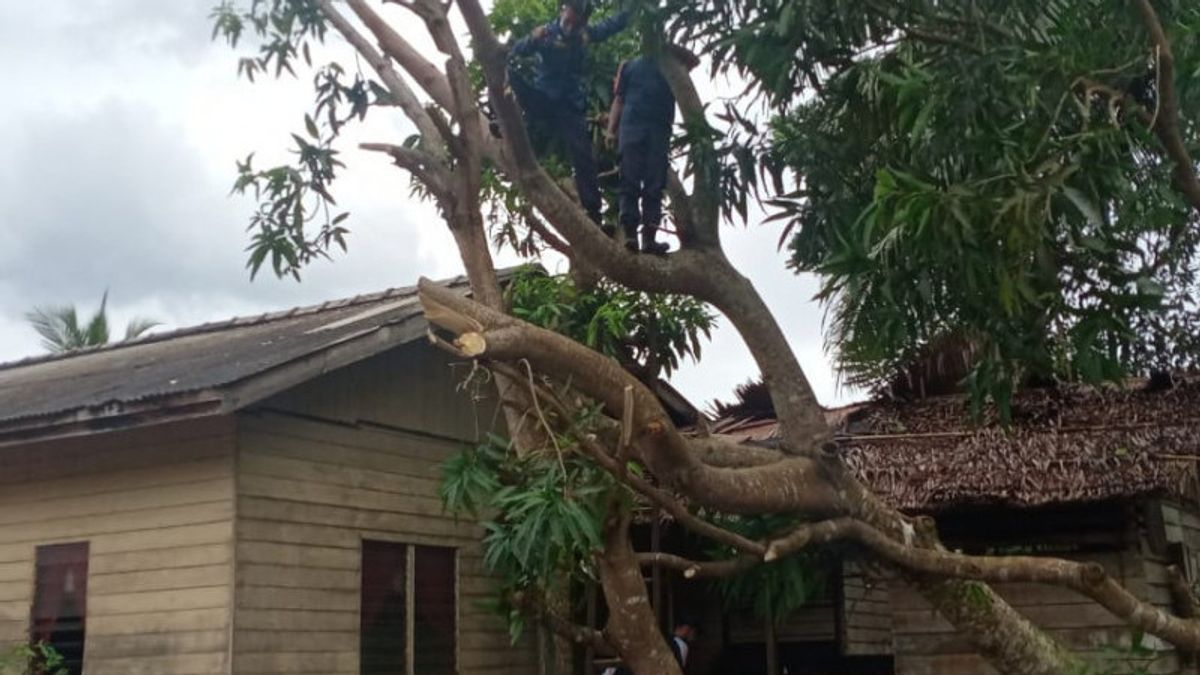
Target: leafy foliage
x=776, y=590
x=982, y=170
x=36, y=659
x=653, y=331
x=1136, y=658
x=291, y=197
x=62, y=331
x=543, y=514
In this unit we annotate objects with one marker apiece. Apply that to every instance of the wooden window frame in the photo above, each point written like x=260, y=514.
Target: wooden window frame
x=410, y=596
x=81, y=550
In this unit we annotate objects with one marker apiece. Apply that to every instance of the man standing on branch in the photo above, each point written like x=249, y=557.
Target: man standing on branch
x=556, y=101
x=642, y=115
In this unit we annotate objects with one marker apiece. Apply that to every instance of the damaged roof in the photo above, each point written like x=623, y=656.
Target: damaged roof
x=1067, y=445
x=213, y=368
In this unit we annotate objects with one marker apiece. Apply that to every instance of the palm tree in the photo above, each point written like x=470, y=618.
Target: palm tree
x=62, y=331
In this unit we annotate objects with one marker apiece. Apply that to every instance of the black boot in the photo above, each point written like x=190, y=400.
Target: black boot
x=650, y=246
x=631, y=243
x=606, y=228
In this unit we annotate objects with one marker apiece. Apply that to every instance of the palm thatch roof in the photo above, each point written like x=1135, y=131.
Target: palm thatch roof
x=1067, y=445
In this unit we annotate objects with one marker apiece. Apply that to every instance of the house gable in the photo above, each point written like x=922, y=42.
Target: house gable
x=338, y=466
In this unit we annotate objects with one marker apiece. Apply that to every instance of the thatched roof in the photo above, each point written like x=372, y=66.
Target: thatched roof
x=1067, y=445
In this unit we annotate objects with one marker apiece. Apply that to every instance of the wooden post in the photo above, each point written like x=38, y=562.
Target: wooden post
x=589, y=654
x=656, y=574
x=772, y=645
x=772, y=648
x=544, y=657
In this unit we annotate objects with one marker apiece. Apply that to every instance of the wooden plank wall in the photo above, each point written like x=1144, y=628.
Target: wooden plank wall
x=312, y=487
x=1180, y=525
x=814, y=622
x=925, y=644
x=156, y=506
x=866, y=616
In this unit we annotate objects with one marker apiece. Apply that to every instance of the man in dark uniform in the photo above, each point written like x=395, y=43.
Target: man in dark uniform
x=642, y=115
x=555, y=101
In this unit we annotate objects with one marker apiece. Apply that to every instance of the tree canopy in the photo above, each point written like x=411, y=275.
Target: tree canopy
x=1002, y=172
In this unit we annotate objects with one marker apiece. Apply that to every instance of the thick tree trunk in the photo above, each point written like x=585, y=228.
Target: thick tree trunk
x=1009, y=642
x=632, y=628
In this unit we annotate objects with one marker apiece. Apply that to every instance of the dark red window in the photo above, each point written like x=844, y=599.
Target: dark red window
x=434, y=625
x=59, y=615
x=408, y=620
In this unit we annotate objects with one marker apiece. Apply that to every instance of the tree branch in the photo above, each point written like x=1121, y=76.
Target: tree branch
x=580, y=635
x=661, y=498
x=427, y=76
x=706, y=214
x=421, y=164
x=1182, y=596
x=681, y=272
x=1089, y=579
x=794, y=485
x=695, y=569
x=1167, y=122
x=396, y=85
x=720, y=452
x=681, y=208
x=703, y=272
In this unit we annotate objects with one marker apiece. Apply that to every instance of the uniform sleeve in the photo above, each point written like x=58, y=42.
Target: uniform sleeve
x=527, y=45
x=621, y=83
x=602, y=30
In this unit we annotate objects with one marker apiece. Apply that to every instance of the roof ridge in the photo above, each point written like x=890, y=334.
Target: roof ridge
x=242, y=321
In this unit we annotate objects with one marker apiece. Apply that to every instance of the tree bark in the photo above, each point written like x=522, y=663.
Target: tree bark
x=632, y=628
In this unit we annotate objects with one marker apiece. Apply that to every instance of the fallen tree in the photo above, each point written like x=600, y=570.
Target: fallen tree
x=585, y=410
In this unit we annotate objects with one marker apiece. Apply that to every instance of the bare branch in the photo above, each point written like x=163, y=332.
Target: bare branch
x=696, y=569
x=1089, y=579
x=421, y=164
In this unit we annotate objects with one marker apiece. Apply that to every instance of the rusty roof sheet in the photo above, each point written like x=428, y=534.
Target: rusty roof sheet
x=164, y=367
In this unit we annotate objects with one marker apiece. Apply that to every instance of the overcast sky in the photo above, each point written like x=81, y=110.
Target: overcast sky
x=122, y=123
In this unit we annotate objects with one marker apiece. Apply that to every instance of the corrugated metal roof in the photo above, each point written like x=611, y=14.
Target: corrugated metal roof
x=167, y=366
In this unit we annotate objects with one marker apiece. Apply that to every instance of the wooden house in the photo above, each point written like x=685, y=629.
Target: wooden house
x=1106, y=474
x=254, y=496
